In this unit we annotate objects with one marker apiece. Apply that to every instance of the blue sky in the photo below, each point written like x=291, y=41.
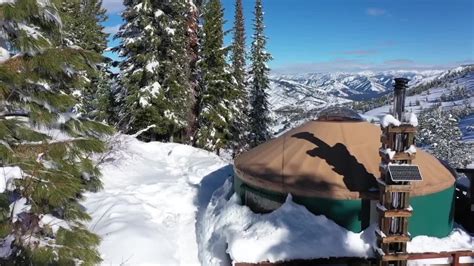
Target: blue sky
x=355, y=35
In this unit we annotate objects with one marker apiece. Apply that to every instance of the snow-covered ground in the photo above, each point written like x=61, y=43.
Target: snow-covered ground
x=467, y=127
x=152, y=196
x=171, y=204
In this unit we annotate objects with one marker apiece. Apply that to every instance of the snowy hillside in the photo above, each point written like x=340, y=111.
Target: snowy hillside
x=171, y=204
x=297, y=98
x=445, y=94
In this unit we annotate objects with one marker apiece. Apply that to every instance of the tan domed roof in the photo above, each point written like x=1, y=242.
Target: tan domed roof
x=331, y=160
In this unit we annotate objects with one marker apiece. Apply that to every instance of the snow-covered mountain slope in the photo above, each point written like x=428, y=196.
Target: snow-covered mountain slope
x=353, y=86
x=152, y=197
x=291, y=101
x=454, y=93
x=297, y=98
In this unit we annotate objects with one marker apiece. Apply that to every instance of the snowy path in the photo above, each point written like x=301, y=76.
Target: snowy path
x=152, y=195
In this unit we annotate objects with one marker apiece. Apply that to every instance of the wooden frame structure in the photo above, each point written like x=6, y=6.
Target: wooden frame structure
x=394, y=203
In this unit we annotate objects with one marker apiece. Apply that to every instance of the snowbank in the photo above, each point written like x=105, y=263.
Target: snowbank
x=457, y=240
x=290, y=232
x=153, y=193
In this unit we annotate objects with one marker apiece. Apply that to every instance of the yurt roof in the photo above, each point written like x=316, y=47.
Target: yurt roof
x=330, y=159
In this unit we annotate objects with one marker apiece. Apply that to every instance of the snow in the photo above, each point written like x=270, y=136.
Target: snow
x=143, y=130
x=30, y=31
x=467, y=127
x=159, y=13
x=412, y=119
x=433, y=96
x=388, y=120
x=153, y=195
x=170, y=31
x=172, y=204
x=151, y=66
x=5, y=245
x=150, y=91
x=7, y=175
x=4, y=54
x=457, y=240
x=53, y=222
x=17, y=207
x=390, y=153
x=7, y=1
x=290, y=232
x=411, y=150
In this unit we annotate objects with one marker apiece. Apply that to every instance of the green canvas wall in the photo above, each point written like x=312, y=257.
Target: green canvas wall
x=433, y=214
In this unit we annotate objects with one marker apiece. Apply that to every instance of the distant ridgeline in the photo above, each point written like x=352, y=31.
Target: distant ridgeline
x=449, y=79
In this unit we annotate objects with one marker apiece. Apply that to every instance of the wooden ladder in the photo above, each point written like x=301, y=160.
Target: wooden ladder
x=394, y=202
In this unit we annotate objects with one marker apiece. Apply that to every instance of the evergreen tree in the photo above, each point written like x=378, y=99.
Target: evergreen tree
x=139, y=76
x=82, y=24
x=155, y=70
x=176, y=68
x=44, y=147
x=259, y=107
x=193, y=35
x=440, y=133
x=217, y=94
x=104, y=105
x=238, y=67
x=82, y=27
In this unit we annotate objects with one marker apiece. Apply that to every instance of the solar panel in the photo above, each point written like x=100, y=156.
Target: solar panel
x=404, y=173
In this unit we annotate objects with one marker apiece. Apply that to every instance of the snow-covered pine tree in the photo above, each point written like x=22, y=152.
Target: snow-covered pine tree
x=239, y=127
x=217, y=93
x=155, y=69
x=44, y=148
x=82, y=24
x=82, y=27
x=440, y=133
x=106, y=109
x=176, y=72
x=259, y=107
x=140, y=41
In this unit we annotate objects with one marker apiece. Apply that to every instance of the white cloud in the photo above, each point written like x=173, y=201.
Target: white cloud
x=112, y=29
x=113, y=6
x=373, y=11
x=356, y=65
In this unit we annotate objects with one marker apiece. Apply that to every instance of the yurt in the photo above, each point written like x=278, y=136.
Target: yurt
x=331, y=166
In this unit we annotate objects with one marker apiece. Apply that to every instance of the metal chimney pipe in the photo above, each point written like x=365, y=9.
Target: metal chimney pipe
x=401, y=85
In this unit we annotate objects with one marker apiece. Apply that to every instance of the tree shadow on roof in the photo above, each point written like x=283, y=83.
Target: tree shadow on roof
x=355, y=175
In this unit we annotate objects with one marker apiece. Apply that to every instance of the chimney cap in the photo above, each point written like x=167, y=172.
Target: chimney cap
x=402, y=80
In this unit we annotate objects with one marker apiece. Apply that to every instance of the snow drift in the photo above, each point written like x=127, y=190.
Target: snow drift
x=152, y=194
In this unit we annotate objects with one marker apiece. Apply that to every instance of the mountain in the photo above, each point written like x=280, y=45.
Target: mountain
x=354, y=86
x=297, y=98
